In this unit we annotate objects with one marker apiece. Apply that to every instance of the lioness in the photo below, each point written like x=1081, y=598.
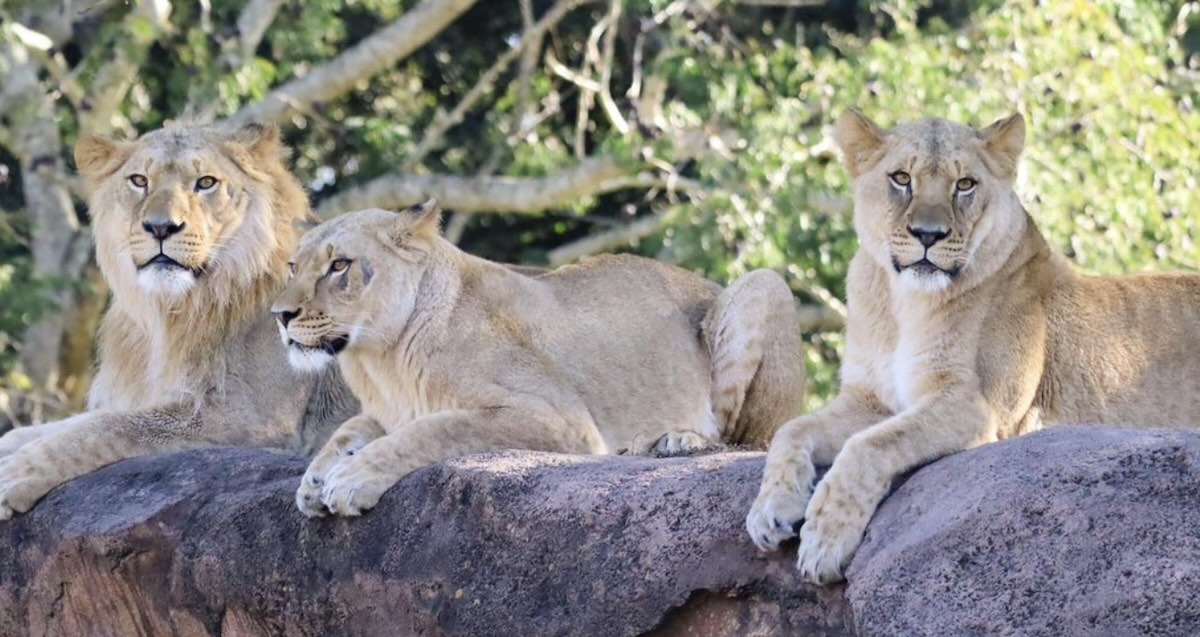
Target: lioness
x=193, y=228
x=964, y=329
x=451, y=354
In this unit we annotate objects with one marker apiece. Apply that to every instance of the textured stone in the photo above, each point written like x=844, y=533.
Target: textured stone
x=1070, y=531
x=208, y=543
x=1073, y=531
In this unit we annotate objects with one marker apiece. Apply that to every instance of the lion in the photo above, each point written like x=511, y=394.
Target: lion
x=964, y=328
x=193, y=224
x=451, y=354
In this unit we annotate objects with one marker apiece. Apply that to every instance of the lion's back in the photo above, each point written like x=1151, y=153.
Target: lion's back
x=629, y=335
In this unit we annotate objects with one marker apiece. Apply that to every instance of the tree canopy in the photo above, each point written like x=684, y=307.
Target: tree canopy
x=695, y=131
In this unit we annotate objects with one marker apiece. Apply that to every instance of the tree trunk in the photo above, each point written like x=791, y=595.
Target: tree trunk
x=60, y=247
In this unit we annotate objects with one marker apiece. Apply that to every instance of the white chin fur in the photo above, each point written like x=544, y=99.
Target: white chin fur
x=309, y=360
x=169, y=282
x=926, y=282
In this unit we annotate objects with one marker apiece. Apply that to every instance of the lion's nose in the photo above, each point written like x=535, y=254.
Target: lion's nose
x=928, y=236
x=161, y=228
x=285, y=316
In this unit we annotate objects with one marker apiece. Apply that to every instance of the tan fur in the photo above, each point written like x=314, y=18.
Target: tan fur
x=935, y=364
x=188, y=355
x=451, y=354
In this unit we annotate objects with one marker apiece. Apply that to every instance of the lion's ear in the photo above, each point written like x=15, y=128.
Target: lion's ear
x=427, y=218
x=1003, y=142
x=97, y=157
x=260, y=139
x=418, y=220
x=860, y=140
x=308, y=222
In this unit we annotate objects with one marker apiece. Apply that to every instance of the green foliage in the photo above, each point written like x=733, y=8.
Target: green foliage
x=22, y=293
x=1108, y=87
x=1109, y=170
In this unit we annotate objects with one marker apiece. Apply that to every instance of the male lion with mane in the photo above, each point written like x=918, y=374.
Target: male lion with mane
x=963, y=329
x=193, y=225
x=451, y=354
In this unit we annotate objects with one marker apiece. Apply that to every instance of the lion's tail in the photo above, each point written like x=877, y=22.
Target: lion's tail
x=753, y=337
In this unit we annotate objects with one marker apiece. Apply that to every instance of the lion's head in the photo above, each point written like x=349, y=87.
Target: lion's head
x=933, y=199
x=190, y=207
x=354, y=281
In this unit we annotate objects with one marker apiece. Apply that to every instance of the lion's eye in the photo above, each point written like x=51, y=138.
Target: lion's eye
x=964, y=185
x=205, y=183
x=339, y=265
x=291, y=269
x=901, y=179
x=139, y=181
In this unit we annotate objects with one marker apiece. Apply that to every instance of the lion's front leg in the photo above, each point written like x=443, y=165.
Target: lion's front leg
x=356, y=484
x=788, y=475
x=21, y=436
x=836, y=518
x=348, y=439
x=842, y=504
x=23, y=481
x=86, y=443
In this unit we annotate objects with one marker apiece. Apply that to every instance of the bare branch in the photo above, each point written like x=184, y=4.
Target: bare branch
x=783, y=3
x=606, y=99
x=532, y=36
x=819, y=318
x=31, y=39
x=111, y=83
x=60, y=249
x=377, y=52
x=570, y=75
x=252, y=25
x=444, y=122
x=57, y=20
x=524, y=195
x=529, y=61
x=605, y=241
x=826, y=316
x=56, y=65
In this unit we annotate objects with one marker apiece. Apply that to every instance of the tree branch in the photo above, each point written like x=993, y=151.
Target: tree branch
x=523, y=195
x=819, y=318
x=605, y=241
x=529, y=61
x=57, y=19
x=533, y=34
x=570, y=75
x=444, y=122
x=112, y=81
x=610, y=41
x=252, y=25
x=377, y=52
x=59, y=247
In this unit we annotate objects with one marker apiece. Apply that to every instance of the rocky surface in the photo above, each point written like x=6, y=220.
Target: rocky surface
x=1075, y=531
x=1078, y=531
x=521, y=544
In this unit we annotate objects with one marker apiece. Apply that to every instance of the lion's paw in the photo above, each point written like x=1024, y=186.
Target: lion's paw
x=308, y=496
x=353, y=487
x=830, y=536
x=680, y=442
x=14, y=439
x=775, y=516
x=21, y=485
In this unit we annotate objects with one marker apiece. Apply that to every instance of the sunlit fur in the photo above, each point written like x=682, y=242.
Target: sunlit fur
x=934, y=364
x=451, y=354
x=159, y=338
x=188, y=352
x=169, y=282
